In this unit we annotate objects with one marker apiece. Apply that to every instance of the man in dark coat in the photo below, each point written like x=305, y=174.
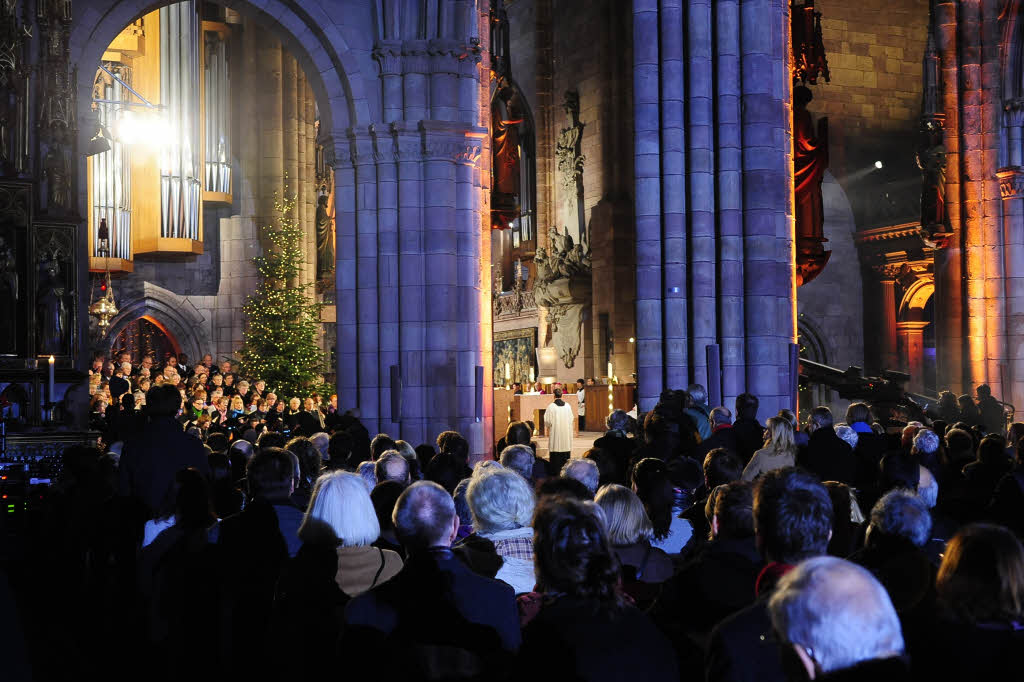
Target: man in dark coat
x=150, y=461
x=723, y=435
x=436, y=619
x=826, y=454
x=749, y=432
x=255, y=544
x=720, y=580
x=792, y=522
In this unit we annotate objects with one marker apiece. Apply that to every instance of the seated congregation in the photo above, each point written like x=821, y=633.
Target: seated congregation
x=853, y=551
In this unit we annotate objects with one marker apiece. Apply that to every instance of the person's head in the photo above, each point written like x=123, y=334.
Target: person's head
x=391, y=466
x=1014, y=434
x=720, y=416
x=193, y=509
x=746, y=406
x=792, y=515
x=899, y=470
x=992, y=451
x=959, y=445
x=271, y=439
x=368, y=472
x=928, y=488
x=237, y=403
x=339, y=448
x=899, y=516
x=309, y=458
x=779, y=435
x=858, y=412
x=453, y=443
x=733, y=511
x=651, y=484
x=583, y=470
x=163, y=401
x=225, y=367
x=720, y=467
x=499, y=499
x=270, y=473
x=518, y=433
x=446, y=470
x=380, y=444
x=384, y=496
x=984, y=391
x=981, y=578
x=618, y=420
x=926, y=443
x=425, y=517
x=308, y=404
x=580, y=384
x=848, y=435
x=697, y=393
x=572, y=553
x=625, y=514
x=820, y=418
x=243, y=448
x=321, y=441
x=520, y=459
x=294, y=404
x=557, y=393
x=833, y=614
x=966, y=402
x=340, y=513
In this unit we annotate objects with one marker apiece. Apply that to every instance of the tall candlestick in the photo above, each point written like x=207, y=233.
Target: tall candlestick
x=532, y=375
x=508, y=372
x=609, y=369
x=49, y=396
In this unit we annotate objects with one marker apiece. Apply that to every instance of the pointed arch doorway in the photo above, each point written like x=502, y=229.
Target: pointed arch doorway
x=145, y=336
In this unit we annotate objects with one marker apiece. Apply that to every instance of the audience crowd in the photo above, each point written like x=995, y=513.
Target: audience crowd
x=223, y=532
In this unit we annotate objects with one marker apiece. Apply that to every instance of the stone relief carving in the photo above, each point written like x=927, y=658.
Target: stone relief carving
x=563, y=286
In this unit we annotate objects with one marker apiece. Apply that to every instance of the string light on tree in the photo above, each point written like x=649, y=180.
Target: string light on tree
x=282, y=319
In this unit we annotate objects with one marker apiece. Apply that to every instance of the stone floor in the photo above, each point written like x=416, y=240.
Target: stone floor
x=580, y=443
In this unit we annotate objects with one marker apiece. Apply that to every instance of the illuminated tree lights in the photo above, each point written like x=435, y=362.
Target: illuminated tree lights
x=282, y=319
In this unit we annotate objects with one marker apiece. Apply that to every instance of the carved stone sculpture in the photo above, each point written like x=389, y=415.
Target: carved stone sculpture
x=562, y=285
x=51, y=309
x=810, y=160
x=324, y=241
x=8, y=298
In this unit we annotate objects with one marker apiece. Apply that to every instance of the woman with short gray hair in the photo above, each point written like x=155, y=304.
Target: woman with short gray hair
x=502, y=506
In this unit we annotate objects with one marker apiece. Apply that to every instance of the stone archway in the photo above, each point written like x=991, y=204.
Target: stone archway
x=182, y=322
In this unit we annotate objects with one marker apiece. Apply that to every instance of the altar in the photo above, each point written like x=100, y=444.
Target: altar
x=527, y=407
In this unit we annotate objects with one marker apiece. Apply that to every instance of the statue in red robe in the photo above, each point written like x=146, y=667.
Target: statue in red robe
x=810, y=160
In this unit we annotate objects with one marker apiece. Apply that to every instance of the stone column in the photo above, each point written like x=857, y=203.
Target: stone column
x=887, y=325
x=912, y=355
x=387, y=269
x=949, y=305
x=729, y=198
x=1011, y=180
x=651, y=338
x=388, y=54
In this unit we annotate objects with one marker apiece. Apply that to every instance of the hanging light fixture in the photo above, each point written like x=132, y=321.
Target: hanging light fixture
x=104, y=308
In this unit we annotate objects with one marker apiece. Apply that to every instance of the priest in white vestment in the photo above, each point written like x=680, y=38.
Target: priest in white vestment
x=558, y=422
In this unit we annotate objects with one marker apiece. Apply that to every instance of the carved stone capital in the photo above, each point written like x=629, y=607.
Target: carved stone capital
x=1014, y=109
x=388, y=53
x=1011, y=182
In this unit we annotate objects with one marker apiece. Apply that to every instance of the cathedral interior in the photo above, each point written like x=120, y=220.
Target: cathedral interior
x=797, y=199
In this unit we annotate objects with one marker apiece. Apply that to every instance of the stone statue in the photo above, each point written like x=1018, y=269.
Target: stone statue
x=931, y=159
x=810, y=160
x=58, y=177
x=8, y=298
x=324, y=241
x=51, y=309
x=567, y=150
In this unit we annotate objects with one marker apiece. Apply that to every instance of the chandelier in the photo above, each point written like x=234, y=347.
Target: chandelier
x=104, y=309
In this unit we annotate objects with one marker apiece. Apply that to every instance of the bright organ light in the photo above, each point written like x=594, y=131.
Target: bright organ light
x=142, y=127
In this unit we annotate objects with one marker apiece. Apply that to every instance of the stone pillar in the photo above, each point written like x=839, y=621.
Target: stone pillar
x=389, y=55
x=729, y=198
x=387, y=269
x=890, y=356
x=949, y=302
x=912, y=353
x=1011, y=181
x=713, y=195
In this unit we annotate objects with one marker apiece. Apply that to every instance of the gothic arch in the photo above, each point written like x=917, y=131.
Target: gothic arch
x=916, y=296
x=179, y=320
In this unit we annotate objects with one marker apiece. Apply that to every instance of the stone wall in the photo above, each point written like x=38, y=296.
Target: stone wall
x=875, y=50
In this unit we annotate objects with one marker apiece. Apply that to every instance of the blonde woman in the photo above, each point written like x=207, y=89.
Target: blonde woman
x=779, y=449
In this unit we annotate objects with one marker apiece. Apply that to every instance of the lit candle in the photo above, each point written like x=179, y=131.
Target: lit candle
x=50, y=394
x=508, y=372
x=609, y=369
x=532, y=376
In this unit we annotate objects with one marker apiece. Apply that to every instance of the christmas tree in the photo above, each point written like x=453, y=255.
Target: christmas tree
x=282, y=318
